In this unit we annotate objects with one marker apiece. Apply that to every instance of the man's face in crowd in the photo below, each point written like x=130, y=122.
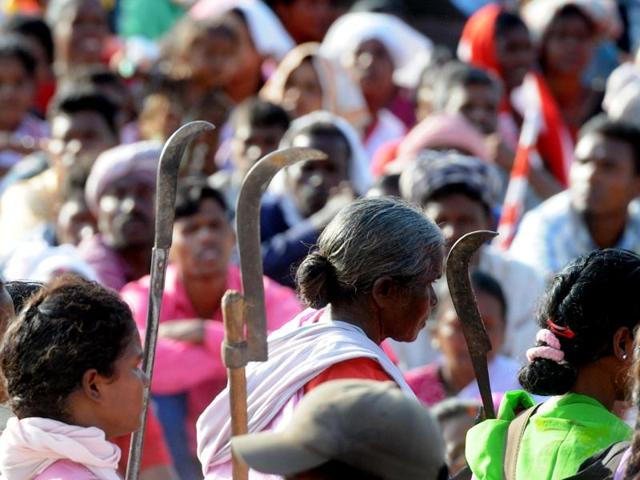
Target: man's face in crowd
x=515, y=55
x=80, y=37
x=313, y=181
x=84, y=132
x=126, y=213
x=478, y=104
x=603, y=179
x=457, y=214
x=251, y=143
x=203, y=242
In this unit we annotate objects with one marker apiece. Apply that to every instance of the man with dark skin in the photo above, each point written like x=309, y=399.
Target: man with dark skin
x=83, y=124
x=318, y=190
x=120, y=194
x=258, y=127
x=597, y=211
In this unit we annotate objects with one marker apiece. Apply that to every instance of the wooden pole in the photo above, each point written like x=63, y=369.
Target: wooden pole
x=235, y=359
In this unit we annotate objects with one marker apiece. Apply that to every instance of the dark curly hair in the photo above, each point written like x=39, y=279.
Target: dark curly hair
x=67, y=328
x=594, y=296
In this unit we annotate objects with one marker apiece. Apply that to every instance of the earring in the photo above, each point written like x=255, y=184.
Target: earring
x=624, y=356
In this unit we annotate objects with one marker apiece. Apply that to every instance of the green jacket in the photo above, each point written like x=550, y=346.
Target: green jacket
x=563, y=432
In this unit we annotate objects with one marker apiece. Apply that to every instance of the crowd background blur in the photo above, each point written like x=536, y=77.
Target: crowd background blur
x=522, y=116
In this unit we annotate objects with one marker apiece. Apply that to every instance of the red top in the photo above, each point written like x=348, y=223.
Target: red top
x=363, y=368
x=154, y=451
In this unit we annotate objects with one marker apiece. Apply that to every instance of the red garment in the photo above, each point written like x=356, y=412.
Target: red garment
x=154, y=451
x=385, y=155
x=363, y=368
x=478, y=47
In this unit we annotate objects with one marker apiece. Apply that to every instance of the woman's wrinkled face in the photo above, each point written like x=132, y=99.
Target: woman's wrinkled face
x=414, y=304
x=515, y=55
x=302, y=91
x=203, y=242
x=568, y=45
x=81, y=35
x=122, y=394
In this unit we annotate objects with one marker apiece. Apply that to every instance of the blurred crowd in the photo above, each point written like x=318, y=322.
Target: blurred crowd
x=528, y=124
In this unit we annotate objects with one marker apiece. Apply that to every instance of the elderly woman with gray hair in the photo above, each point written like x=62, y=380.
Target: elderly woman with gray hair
x=369, y=278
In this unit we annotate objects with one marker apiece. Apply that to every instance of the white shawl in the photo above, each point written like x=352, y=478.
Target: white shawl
x=297, y=354
x=31, y=445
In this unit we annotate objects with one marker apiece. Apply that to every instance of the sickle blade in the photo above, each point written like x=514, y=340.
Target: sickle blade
x=249, y=245
x=170, y=158
x=166, y=186
x=464, y=301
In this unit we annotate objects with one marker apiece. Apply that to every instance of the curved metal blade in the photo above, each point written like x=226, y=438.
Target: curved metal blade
x=167, y=182
x=464, y=301
x=170, y=158
x=248, y=229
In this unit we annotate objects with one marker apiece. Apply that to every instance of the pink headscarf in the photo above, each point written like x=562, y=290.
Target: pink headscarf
x=444, y=131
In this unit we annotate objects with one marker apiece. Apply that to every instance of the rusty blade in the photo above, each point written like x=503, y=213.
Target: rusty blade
x=249, y=246
x=167, y=181
x=464, y=301
x=170, y=158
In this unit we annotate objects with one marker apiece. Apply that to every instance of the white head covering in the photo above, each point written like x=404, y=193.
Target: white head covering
x=340, y=94
x=409, y=49
x=359, y=173
x=269, y=36
x=538, y=15
x=622, y=95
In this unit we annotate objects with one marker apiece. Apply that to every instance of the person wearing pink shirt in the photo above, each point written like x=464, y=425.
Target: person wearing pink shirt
x=71, y=361
x=188, y=370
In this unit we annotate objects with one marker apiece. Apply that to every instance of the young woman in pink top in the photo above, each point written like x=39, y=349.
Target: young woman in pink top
x=72, y=365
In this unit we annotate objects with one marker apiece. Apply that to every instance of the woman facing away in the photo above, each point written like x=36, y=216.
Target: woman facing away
x=72, y=367
x=582, y=357
x=370, y=278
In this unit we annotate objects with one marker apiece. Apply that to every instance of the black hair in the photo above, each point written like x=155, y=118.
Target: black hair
x=572, y=10
x=456, y=189
x=323, y=128
x=507, y=21
x=457, y=74
x=31, y=27
x=260, y=113
x=191, y=193
x=69, y=327
x=615, y=130
x=594, y=296
x=20, y=292
x=98, y=76
x=83, y=98
x=15, y=46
